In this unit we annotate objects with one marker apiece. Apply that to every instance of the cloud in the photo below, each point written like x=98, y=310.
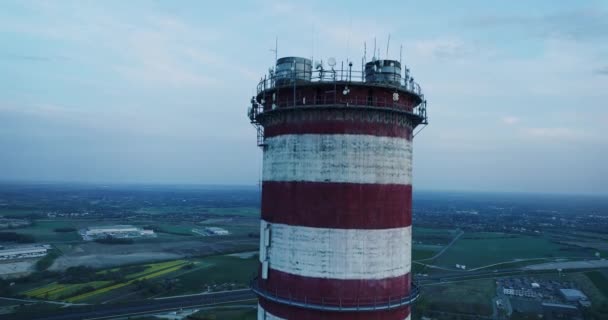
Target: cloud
x=601, y=71
x=443, y=48
x=25, y=57
x=555, y=133
x=510, y=120
x=152, y=50
x=580, y=25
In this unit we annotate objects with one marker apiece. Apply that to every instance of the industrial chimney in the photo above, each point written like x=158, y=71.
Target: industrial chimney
x=336, y=228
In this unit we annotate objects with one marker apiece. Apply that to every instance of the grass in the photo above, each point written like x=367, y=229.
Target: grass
x=44, y=231
x=473, y=297
x=483, y=248
x=153, y=271
x=219, y=270
x=418, y=254
x=18, y=212
x=56, y=290
x=599, y=281
x=432, y=236
x=239, y=211
x=238, y=314
x=176, y=230
x=46, y=261
x=44, y=289
x=155, y=267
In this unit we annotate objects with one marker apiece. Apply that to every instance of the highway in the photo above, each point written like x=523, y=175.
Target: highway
x=142, y=307
x=149, y=306
x=109, y=311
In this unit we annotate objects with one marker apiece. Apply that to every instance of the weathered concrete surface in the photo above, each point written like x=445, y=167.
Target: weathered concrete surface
x=340, y=253
x=338, y=158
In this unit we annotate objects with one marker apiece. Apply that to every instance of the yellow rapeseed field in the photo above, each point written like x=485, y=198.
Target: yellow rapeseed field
x=55, y=290
x=154, y=270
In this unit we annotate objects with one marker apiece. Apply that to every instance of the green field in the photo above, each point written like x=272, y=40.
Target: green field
x=222, y=269
x=473, y=297
x=44, y=231
x=230, y=314
x=484, y=248
x=430, y=236
x=70, y=292
x=182, y=230
x=418, y=254
x=55, y=291
x=152, y=271
x=18, y=212
x=213, y=273
x=599, y=281
x=239, y=211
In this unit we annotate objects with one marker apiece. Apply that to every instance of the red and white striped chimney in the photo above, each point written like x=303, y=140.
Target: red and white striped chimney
x=336, y=234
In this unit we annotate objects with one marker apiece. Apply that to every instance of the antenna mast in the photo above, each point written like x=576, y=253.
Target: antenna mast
x=387, y=44
x=374, y=48
x=312, y=56
x=276, y=49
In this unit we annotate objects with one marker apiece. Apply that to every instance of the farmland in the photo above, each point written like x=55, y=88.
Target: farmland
x=213, y=273
x=469, y=297
x=74, y=292
x=227, y=313
x=599, y=280
x=482, y=248
x=44, y=231
x=436, y=237
x=228, y=271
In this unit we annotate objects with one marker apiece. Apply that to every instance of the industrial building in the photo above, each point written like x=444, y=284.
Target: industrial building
x=335, y=235
x=116, y=231
x=217, y=231
x=574, y=295
x=212, y=231
x=23, y=252
x=520, y=292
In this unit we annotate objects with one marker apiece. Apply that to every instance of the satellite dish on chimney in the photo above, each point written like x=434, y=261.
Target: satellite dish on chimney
x=331, y=62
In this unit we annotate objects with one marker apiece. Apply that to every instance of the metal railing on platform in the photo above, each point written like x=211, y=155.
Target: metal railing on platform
x=296, y=78
x=337, y=100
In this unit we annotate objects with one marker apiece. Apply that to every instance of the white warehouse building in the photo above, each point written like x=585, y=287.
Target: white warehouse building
x=23, y=252
x=116, y=231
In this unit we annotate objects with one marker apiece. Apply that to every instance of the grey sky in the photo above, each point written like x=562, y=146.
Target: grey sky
x=156, y=92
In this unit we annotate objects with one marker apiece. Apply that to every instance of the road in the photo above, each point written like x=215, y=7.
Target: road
x=150, y=306
x=109, y=311
x=460, y=233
